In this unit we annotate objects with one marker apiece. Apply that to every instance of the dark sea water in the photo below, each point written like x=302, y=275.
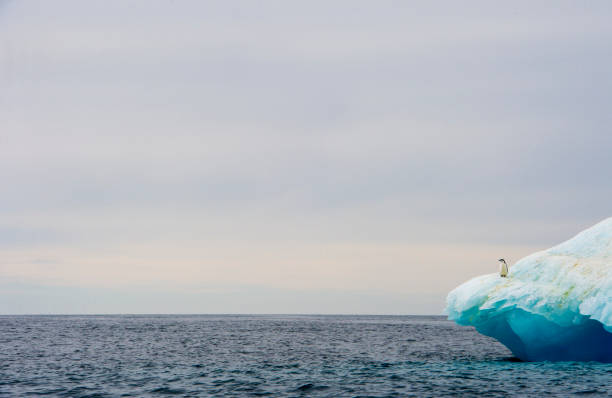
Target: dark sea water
x=330, y=356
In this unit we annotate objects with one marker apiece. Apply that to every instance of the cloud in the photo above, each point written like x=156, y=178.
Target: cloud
x=273, y=129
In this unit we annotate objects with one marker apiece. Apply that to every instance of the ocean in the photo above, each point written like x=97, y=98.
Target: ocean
x=272, y=355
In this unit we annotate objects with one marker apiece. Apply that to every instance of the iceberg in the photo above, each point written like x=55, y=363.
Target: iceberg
x=555, y=305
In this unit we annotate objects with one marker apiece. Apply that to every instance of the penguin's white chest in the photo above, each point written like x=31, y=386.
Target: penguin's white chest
x=503, y=271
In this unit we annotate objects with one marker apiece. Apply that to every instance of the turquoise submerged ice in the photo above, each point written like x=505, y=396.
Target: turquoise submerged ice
x=554, y=305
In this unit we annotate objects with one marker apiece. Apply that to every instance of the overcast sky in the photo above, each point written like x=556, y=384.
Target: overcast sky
x=292, y=157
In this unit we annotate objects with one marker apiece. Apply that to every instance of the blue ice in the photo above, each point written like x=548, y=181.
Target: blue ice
x=554, y=305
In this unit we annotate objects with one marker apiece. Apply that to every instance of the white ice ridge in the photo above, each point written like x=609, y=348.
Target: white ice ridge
x=554, y=305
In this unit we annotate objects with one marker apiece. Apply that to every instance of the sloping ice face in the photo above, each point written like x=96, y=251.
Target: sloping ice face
x=554, y=305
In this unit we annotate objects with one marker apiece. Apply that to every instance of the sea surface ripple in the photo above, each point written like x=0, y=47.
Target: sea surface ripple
x=272, y=355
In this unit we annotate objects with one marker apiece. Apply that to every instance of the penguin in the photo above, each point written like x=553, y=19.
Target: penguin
x=503, y=271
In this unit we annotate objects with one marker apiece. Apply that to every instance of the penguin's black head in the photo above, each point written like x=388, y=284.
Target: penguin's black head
x=502, y=260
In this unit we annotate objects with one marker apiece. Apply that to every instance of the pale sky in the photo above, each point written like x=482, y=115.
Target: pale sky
x=292, y=157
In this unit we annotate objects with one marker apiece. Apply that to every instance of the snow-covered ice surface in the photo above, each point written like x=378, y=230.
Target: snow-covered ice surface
x=554, y=305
